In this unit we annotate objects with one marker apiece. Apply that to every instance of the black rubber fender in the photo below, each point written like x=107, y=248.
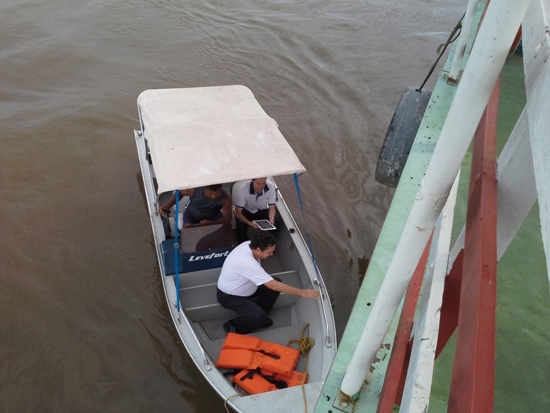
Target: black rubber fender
x=400, y=136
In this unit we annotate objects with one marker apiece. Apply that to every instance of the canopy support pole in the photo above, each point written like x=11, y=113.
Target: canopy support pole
x=177, y=251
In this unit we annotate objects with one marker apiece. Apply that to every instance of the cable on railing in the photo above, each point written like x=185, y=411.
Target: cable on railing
x=304, y=218
x=328, y=340
x=441, y=49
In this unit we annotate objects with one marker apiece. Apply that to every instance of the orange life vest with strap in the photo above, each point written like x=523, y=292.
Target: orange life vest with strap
x=260, y=381
x=249, y=353
x=252, y=382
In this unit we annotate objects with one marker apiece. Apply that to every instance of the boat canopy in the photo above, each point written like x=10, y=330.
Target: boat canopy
x=210, y=135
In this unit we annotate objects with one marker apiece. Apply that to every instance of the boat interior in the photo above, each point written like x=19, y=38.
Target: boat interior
x=202, y=251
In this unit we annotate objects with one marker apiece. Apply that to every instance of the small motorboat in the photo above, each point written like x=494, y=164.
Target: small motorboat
x=195, y=137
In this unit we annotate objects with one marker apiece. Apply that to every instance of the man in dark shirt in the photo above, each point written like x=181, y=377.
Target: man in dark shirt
x=206, y=205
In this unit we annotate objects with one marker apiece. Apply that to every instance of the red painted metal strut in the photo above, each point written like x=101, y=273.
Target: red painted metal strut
x=472, y=382
x=392, y=388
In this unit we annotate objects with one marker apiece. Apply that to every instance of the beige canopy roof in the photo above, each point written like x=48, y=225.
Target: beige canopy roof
x=209, y=135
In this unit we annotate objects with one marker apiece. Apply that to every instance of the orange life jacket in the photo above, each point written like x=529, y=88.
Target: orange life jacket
x=260, y=381
x=252, y=382
x=295, y=379
x=246, y=352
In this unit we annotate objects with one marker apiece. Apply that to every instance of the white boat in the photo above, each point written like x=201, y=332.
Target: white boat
x=196, y=137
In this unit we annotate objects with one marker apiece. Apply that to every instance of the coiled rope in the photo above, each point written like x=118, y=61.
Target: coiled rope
x=305, y=343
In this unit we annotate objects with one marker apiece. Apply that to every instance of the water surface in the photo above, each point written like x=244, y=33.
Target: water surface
x=83, y=323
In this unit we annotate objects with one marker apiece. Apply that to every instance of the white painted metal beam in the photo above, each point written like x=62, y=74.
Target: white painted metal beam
x=469, y=15
x=416, y=395
x=516, y=184
x=536, y=54
x=516, y=188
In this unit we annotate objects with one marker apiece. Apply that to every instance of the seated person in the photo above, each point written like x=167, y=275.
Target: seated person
x=247, y=289
x=207, y=205
x=255, y=199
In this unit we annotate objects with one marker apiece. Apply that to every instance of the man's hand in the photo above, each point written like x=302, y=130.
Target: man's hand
x=310, y=293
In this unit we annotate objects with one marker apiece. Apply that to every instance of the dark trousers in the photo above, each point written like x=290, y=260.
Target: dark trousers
x=252, y=310
x=242, y=228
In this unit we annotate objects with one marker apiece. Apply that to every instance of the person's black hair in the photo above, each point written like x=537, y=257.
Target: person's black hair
x=262, y=240
x=214, y=188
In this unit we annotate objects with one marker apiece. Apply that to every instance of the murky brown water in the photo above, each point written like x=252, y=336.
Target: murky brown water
x=83, y=323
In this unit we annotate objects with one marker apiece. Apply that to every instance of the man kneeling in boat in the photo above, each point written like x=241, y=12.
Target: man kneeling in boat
x=247, y=289
x=207, y=205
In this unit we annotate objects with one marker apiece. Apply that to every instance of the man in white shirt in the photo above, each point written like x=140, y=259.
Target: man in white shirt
x=254, y=200
x=246, y=288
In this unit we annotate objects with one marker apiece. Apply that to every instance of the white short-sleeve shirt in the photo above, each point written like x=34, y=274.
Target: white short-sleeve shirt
x=242, y=273
x=248, y=199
